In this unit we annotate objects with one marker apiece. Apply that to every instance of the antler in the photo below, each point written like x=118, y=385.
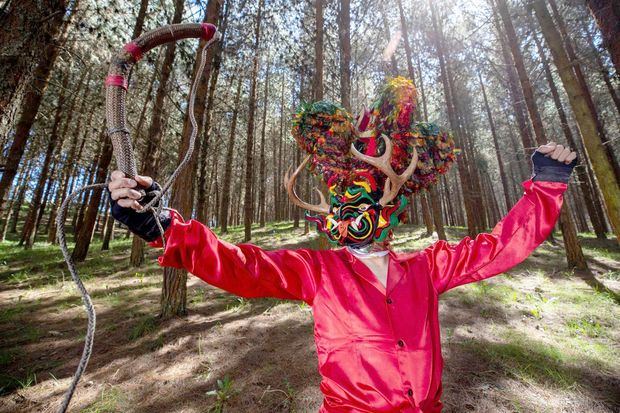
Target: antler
x=289, y=183
x=394, y=182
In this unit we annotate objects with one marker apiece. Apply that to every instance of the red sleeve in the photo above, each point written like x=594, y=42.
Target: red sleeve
x=245, y=269
x=512, y=240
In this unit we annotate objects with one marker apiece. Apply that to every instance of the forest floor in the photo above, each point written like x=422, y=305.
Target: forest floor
x=538, y=339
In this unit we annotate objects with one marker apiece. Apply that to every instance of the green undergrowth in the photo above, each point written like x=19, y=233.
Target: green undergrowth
x=539, y=323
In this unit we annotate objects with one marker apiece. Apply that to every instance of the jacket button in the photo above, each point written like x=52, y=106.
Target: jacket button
x=389, y=301
x=410, y=392
x=401, y=343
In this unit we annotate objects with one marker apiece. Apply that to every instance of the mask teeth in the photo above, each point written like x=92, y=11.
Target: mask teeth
x=356, y=223
x=334, y=222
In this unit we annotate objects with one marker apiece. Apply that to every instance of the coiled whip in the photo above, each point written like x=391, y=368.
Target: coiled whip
x=116, y=118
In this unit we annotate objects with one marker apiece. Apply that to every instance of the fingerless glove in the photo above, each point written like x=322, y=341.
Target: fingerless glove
x=142, y=224
x=551, y=170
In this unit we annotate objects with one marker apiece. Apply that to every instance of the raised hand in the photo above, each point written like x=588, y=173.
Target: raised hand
x=122, y=189
x=557, y=152
x=553, y=163
x=126, y=200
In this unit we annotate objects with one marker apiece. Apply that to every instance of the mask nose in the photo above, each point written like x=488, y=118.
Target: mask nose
x=343, y=228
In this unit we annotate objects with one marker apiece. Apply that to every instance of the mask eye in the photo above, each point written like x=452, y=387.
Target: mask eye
x=363, y=207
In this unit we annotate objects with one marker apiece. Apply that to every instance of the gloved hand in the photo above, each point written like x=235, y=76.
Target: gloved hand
x=553, y=163
x=125, y=204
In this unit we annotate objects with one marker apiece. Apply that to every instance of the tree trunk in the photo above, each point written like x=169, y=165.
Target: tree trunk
x=344, y=34
x=48, y=190
x=248, y=205
x=21, y=196
x=155, y=132
x=516, y=95
x=526, y=86
x=574, y=60
x=85, y=233
x=28, y=232
x=174, y=289
x=408, y=52
x=498, y=153
x=435, y=203
x=225, y=201
x=280, y=214
x=587, y=125
x=392, y=70
x=454, y=124
x=582, y=178
x=607, y=16
x=29, y=34
x=426, y=214
x=262, y=178
x=204, y=185
x=30, y=105
x=574, y=254
x=528, y=92
x=601, y=67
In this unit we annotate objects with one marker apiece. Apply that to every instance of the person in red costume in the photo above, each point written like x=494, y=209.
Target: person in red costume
x=376, y=323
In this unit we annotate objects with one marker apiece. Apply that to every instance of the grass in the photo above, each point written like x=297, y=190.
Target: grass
x=110, y=400
x=9, y=383
x=585, y=326
x=540, y=324
x=10, y=313
x=146, y=325
x=239, y=304
x=223, y=394
x=526, y=360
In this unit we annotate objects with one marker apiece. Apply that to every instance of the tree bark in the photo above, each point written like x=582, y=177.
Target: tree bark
x=516, y=95
x=607, y=16
x=32, y=99
x=574, y=253
x=19, y=194
x=225, y=201
x=574, y=60
x=344, y=35
x=436, y=212
x=262, y=178
x=248, y=205
x=28, y=231
x=526, y=86
x=392, y=69
x=29, y=34
x=498, y=153
x=70, y=161
x=426, y=214
x=587, y=125
x=174, y=288
x=601, y=67
x=85, y=232
x=581, y=172
x=405, y=33
x=204, y=188
x=462, y=166
x=155, y=132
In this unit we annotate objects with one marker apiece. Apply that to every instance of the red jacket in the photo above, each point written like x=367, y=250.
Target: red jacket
x=379, y=349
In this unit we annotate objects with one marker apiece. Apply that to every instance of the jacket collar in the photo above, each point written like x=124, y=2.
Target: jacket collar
x=396, y=269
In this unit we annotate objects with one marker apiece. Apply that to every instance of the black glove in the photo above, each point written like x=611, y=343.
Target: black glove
x=142, y=224
x=547, y=169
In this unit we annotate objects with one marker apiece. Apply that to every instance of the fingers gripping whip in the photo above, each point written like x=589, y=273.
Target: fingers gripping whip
x=116, y=93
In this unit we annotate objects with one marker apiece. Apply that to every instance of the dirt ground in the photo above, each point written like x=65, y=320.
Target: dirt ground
x=539, y=339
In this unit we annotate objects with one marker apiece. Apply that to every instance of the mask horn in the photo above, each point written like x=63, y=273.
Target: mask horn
x=394, y=181
x=289, y=183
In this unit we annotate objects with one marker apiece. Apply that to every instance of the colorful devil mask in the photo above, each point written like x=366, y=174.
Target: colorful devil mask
x=369, y=167
x=356, y=218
